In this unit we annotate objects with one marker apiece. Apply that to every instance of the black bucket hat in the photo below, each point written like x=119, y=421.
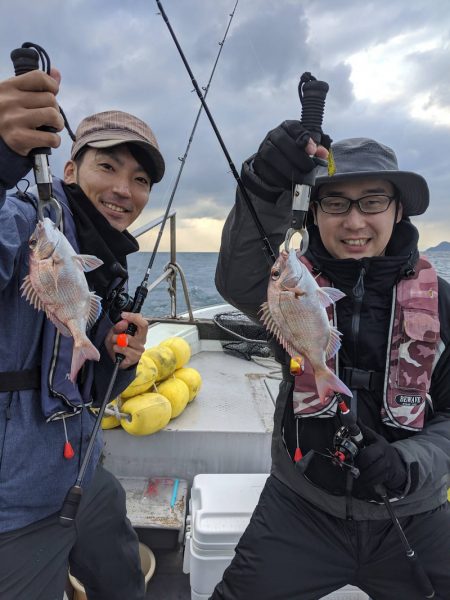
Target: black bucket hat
x=356, y=158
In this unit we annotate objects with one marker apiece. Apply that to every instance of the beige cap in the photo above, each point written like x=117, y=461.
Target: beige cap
x=113, y=127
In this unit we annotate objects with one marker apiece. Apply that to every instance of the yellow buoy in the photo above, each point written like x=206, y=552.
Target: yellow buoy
x=180, y=348
x=146, y=374
x=176, y=392
x=149, y=413
x=164, y=359
x=191, y=378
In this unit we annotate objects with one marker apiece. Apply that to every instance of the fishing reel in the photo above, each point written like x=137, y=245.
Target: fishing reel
x=122, y=302
x=344, y=451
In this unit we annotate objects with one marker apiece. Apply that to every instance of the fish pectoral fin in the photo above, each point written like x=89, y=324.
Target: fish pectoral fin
x=334, y=343
x=88, y=262
x=328, y=296
x=333, y=293
x=95, y=308
x=298, y=292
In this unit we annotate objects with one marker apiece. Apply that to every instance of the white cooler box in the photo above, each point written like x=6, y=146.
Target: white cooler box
x=219, y=511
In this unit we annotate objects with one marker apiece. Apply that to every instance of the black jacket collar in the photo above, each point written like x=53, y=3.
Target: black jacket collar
x=96, y=236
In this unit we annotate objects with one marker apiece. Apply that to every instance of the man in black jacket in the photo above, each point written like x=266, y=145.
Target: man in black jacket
x=315, y=528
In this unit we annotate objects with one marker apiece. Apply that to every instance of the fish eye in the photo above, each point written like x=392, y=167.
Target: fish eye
x=275, y=274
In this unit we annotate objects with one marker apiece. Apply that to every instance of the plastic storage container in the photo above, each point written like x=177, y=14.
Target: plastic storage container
x=219, y=511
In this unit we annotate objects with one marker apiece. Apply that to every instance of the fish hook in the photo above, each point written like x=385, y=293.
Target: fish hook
x=303, y=232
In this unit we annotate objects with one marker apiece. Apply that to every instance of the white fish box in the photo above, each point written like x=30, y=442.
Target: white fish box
x=219, y=511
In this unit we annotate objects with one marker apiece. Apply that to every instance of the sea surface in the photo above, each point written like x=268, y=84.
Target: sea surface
x=199, y=269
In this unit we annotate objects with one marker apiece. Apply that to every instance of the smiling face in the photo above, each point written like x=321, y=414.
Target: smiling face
x=115, y=183
x=355, y=234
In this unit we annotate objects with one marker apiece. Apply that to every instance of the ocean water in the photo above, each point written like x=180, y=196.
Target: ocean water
x=199, y=269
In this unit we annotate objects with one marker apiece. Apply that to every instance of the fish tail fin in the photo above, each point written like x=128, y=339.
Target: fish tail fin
x=82, y=351
x=328, y=384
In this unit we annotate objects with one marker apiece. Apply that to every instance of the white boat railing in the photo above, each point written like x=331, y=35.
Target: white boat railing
x=172, y=269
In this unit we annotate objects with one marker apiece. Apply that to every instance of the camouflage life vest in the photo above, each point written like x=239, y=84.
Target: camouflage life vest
x=413, y=339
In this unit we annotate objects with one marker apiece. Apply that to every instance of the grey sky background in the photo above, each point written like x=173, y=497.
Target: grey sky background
x=387, y=64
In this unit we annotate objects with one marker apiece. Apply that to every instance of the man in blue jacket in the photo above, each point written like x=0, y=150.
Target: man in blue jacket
x=114, y=162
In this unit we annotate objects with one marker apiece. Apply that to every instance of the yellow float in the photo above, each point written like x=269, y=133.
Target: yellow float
x=146, y=374
x=164, y=359
x=149, y=413
x=191, y=378
x=180, y=348
x=176, y=392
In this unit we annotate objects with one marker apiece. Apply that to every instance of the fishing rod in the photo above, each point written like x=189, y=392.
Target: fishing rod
x=267, y=247
x=122, y=301
x=348, y=441
x=312, y=97
x=73, y=498
x=191, y=137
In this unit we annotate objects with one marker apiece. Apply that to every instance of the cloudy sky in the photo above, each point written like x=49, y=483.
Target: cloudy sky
x=387, y=64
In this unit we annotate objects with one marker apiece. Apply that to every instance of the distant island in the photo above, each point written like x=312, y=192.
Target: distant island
x=442, y=247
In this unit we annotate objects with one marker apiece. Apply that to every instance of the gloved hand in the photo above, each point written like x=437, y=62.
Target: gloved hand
x=283, y=157
x=378, y=462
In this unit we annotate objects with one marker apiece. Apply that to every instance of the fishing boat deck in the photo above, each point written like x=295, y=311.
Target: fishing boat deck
x=226, y=429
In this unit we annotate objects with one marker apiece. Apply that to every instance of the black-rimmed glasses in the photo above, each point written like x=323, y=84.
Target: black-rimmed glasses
x=369, y=205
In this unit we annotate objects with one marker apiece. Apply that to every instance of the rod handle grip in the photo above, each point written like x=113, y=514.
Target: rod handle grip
x=312, y=95
x=25, y=60
x=70, y=507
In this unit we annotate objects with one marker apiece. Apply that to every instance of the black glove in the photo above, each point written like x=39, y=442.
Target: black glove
x=281, y=160
x=378, y=462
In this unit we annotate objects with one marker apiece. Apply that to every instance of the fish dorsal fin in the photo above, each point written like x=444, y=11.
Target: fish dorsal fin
x=88, y=262
x=29, y=293
x=334, y=343
x=273, y=328
x=329, y=295
x=95, y=308
x=268, y=320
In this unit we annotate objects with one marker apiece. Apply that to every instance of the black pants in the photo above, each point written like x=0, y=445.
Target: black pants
x=101, y=548
x=293, y=551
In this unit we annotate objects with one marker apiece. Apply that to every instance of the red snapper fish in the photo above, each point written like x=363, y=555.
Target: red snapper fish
x=295, y=312
x=57, y=285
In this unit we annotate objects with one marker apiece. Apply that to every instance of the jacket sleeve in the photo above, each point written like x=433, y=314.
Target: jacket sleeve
x=243, y=266
x=427, y=453
x=13, y=168
x=16, y=224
